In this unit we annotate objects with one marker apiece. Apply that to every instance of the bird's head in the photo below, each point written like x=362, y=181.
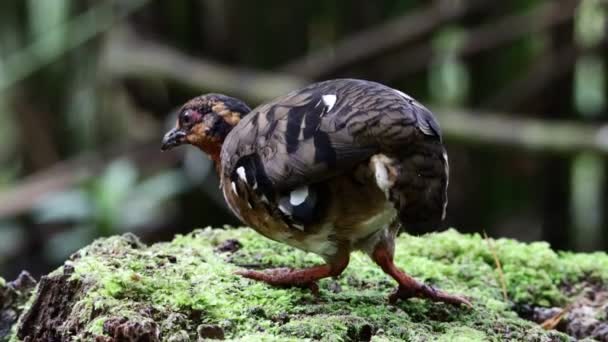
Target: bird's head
x=204, y=122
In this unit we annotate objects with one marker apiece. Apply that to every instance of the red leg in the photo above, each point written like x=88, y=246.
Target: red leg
x=306, y=277
x=408, y=286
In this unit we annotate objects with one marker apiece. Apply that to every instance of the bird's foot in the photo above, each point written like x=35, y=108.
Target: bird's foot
x=421, y=290
x=284, y=277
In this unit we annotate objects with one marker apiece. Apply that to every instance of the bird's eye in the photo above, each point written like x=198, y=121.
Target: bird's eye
x=186, y=118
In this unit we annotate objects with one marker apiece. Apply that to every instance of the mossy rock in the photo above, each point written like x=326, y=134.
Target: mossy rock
x=118, y=289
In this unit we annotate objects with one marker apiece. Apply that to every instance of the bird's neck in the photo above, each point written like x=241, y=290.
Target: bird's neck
x=213, y=150
x=217, y=162
x=212, y=143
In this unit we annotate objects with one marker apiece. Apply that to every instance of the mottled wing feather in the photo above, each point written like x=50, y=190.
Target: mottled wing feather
x=303, y=137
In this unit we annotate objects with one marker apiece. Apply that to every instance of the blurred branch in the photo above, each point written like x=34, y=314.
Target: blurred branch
x=484, y=37
x=559, y=136
x=544, y=72
x=130, y=57
x=23, y=196
x=127, y=56
x=63, y=38
x=478, y=128
x=379, y=40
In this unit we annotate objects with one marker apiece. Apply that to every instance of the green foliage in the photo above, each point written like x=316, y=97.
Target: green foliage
x=118, y=200
x=449, y=79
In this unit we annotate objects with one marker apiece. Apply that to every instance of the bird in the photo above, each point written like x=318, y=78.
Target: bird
x=331, y=168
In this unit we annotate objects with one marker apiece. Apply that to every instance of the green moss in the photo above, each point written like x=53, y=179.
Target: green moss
x=185, y=283
x=462, y=334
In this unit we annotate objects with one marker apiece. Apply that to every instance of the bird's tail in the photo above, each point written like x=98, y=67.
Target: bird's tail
x=419, y=192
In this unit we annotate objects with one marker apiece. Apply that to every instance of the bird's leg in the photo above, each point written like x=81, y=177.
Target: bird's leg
x=408, y=286
x=305, y=277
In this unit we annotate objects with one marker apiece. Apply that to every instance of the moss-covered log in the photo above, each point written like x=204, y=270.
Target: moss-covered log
x=118, y=289
x=13, y=296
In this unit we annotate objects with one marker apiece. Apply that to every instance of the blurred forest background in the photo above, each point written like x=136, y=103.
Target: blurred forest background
x=87, y=89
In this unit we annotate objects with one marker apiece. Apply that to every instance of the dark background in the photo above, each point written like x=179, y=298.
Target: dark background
x=87, y=89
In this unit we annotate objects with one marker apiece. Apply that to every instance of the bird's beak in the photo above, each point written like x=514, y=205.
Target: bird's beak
x=173, y=138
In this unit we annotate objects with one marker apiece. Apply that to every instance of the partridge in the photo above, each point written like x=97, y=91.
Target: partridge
x=334, y=167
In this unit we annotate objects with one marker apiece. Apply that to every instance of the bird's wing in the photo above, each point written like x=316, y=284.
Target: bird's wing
x=322, y=130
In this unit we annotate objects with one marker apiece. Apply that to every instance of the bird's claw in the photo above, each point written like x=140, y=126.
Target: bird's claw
x=428, y=292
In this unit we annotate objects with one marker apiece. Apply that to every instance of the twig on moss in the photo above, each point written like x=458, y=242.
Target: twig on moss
x=501, y=276
x=552, y=322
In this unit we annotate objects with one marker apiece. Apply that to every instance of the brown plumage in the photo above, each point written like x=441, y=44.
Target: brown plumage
x=334, y=167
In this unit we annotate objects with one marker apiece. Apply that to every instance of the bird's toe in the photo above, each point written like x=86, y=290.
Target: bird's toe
x=428, y=292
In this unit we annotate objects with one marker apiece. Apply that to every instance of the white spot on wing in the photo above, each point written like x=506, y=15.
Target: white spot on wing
x=234, y=188
x=284, y=209
x=298, y=226
x=234, y=210
x=298, y=196
x=241, y=172
x=330, y=101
